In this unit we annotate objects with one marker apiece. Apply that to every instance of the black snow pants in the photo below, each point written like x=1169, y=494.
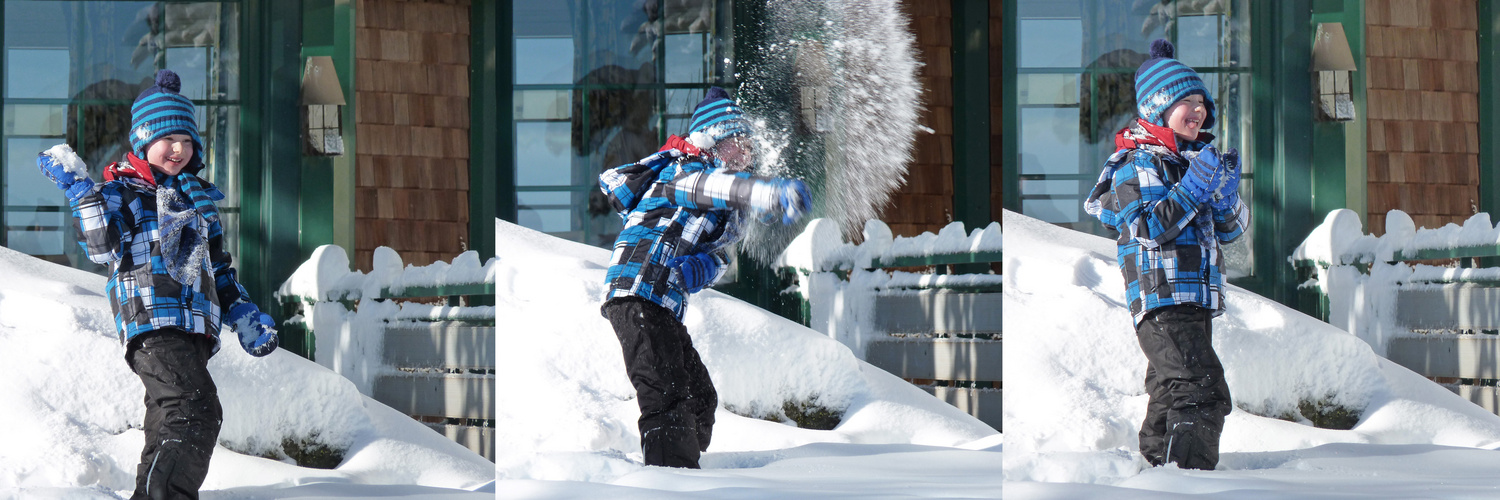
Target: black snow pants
x=1188, y=395
x=183, y=415
x=676, y=397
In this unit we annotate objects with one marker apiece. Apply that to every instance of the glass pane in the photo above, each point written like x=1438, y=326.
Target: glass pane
x=544, y=60
x=544, y=154
x=38, y=119
x=686, y=60
x=1198, y=40
x=617, y=41
x=24, y=184
x=43, y=77
x=543, y=104
x=621, y=129
x=1049, y=141
x=1047, y=89
x=1094, y=33
x=1057, y=211
x=1051, y=43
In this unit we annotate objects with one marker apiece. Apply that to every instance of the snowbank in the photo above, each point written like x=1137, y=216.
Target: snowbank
x=1074, y=399
x=71, y=409
x=568, y=412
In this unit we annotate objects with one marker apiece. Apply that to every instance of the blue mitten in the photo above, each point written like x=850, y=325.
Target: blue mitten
x=72, y=184
x=788, y=198
x=1203, y=174
x=1227, y=192
x=796, y=201
x=697, y=271
x=256, y=329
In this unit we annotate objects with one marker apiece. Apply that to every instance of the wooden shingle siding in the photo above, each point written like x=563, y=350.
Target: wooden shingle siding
x=412, y=137
x=925, y=203
x=1422, y=74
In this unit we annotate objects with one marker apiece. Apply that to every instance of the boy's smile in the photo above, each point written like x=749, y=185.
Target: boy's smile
x=171, y=153
x=1186, y=116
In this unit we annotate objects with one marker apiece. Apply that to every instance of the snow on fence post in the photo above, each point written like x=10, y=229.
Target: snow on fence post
x=425, y=360
x=940, y=331
x=1420, y=316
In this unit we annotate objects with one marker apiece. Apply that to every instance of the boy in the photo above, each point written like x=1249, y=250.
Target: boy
x=682, y=207
x=1174, y=199
x=154, y=221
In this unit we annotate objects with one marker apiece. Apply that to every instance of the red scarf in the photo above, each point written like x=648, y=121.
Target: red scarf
x=1155, y=135
x=134, y=167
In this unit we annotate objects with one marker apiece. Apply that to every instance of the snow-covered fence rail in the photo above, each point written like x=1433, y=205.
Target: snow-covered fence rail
x=940, y=331
x=435, y=362
x=1436, y=321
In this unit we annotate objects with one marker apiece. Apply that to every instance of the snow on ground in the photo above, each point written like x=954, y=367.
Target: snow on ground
x=567, y=425
x=71, y=411
x=1074, y=399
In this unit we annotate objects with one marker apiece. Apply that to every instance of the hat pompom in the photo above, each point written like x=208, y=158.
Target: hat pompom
x=168, y=80
x=714, y=94
x=1162, y=48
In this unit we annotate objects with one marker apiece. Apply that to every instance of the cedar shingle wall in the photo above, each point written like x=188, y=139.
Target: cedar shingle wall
x=412, y=157
x=925, y=203
x=996, y=102
x=1423, y=105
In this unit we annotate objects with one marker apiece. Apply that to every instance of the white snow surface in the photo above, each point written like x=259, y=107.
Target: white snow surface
x=821, y=247
x=1074, y=398
x=1341, y=236
x=71, y=410
x=326, y=275
x=567, y=422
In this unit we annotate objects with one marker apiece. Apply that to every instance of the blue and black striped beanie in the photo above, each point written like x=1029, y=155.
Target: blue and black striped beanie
x=161, y=111
x=716, y=118
x=1162, y=81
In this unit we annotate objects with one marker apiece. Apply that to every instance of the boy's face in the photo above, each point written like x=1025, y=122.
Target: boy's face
x=737, y=152
x=170, y=153
x=1186, y=116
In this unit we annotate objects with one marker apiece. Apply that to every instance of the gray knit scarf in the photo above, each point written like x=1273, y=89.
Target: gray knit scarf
x=183, y=233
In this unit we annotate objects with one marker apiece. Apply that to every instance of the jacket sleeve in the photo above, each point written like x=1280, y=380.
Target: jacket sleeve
x=1229, y=225
x=1149, y=210
x=624, y=186
x=711, y=189
x=105, y=223
x=225, y=282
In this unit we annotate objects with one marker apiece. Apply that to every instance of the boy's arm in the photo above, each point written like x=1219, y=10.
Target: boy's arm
x=104, y=226
x=226, y=282
x=256, y=330
x=1150, y=211
x=761, y=196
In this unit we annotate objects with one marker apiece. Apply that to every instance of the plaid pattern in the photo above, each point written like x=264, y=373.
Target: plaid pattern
x=672, y=204
x=1169, y=241
x=119, y=224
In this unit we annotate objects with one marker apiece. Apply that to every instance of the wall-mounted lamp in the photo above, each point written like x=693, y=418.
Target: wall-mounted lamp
x=1331, y=63
x=322, y=108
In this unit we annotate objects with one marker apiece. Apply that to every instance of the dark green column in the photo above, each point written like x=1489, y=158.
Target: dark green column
x=491, y=178
x=971, y=115
x=271, y=160
x=1489, y=128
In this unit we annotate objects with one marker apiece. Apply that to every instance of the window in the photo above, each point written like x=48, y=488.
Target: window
x=72, y=70
x=1076, y=87
x=598, y=84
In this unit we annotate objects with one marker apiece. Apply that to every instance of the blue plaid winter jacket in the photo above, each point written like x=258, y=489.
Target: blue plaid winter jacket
x=672, y=204
x=119, y=224
x=1169, y=241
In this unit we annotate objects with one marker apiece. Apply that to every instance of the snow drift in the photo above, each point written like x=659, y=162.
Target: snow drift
x=1074, y=398
x=568, y=412
x=71, y=409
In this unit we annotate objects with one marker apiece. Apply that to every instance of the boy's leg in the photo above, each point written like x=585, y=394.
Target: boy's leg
x=183, y=415
x=1153, y=435
x=654, y=361
x=702, y=396
x=1178, y=342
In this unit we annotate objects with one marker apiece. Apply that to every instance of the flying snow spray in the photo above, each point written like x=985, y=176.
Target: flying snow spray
x=834, y=97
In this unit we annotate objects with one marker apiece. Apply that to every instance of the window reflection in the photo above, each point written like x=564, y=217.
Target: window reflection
x=1076, y=89
x=73, y=69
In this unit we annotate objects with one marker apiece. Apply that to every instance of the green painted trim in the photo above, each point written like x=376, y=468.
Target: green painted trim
x=1010, y=151
x=4, y=148
x=486, y=36
x=316, y=199
x=1489, y=127
x=271, y=159
x=504, y=69
x=439, y=291
x=937, y=260
x=1339, y=176
x=1356, y=133
x=345, y=177
x=971, y=130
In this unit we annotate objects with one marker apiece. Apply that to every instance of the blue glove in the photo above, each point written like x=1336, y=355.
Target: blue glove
x=1227, y=192
x=1203, y=174
x=796, y=201
x=696, y=271
x=72, y=184
x=256, y=329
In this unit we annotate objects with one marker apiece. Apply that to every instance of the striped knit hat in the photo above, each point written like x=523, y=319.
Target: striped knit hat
x=716, y=118
x=161, y=111
x=1162, y=81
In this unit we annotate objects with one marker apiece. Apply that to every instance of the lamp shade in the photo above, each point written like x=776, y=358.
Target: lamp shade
x=320, y=84
x=1331, y=49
